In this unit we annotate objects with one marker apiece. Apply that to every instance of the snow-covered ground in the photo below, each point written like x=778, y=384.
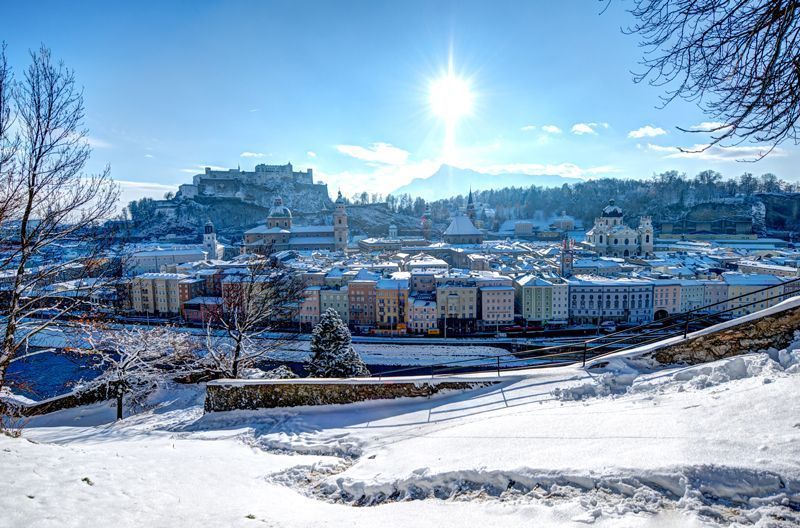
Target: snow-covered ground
x=624, y=445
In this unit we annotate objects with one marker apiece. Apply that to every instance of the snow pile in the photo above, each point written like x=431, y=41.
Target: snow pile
x=698, y=488
x=624, y=376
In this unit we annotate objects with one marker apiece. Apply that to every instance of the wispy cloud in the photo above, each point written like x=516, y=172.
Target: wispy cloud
x=551, y=129
x=98, y=143
x=708, y=126
x=528, y=128
x=581, y=129
x=148, y=156
x=376, y=153
x=248, y=154
x=569, y=170
x=133, y=190
x=703, y=151
x=381, y=178
x=201, y=168
x=311, y=154
x=646, y=131
x=254, y=110
x=145, y=186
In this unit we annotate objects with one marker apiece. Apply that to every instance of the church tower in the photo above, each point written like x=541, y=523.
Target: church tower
x=471, y=207
x=566, y=257
x=210, y=241
x=341, y=233
x=427, y=223
x=646, y=235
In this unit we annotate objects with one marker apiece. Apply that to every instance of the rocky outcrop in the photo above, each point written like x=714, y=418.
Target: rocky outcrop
x=229, y=395
x=776, y=330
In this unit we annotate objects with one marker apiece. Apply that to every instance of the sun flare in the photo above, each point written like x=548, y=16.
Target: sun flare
x=451, y=98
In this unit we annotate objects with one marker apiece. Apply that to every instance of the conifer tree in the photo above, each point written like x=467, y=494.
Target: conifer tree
x=332, y=354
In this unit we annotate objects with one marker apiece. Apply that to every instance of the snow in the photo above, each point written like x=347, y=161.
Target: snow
x=625, y=444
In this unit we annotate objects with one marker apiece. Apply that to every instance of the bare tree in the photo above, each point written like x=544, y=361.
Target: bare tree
x=9, y=142
x=739, y=59
x=46, y=199
x=136, y=361
x=260, y=298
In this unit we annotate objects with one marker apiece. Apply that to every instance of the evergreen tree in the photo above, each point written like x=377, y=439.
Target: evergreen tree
x=332, y=354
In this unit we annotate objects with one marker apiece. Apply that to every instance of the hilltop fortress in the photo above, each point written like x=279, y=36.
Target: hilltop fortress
x=260, y=187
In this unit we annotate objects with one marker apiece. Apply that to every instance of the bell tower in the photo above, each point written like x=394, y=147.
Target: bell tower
x=210, y=241
x=341, y=233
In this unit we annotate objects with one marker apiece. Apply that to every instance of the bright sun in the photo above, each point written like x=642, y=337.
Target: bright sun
x=450, y=98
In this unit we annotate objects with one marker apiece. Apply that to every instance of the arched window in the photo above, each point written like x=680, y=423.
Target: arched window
x=647, y=238
x=626, y=241
x=601, y=239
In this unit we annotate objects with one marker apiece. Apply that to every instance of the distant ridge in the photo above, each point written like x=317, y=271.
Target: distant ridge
x=451, y=181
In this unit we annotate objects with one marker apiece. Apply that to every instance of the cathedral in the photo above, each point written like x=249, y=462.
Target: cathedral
x=611, y=237
x=278, y=233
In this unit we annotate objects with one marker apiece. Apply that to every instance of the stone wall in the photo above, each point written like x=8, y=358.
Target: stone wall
x=771, y=331
x=229, y=395
x=57, y=403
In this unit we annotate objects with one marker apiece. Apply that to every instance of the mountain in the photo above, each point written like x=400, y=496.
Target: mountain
x=451, y=181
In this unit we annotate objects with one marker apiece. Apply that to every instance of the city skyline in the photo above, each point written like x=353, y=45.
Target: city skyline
x=352, y=92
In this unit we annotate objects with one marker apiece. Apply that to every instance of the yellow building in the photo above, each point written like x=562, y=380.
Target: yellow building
x=391, y=305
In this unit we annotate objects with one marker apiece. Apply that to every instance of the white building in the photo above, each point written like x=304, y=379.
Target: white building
x=611, y=236
x=154, y=259
x=597, y=299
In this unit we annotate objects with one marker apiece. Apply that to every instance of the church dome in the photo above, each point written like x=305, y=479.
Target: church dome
x=611, y=210
x=279, y=210
x=340, y=198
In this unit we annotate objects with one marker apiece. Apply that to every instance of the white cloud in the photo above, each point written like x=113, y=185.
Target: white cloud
x=703, y=151
x=551, y=129
x=646, y=131
x=376, y=153
x=248, y=154
x=382, y=179
x=528, y=128
x=311, y=154
x=148, y=155
x=569, y=170
x=587, y=128
x=708, y=126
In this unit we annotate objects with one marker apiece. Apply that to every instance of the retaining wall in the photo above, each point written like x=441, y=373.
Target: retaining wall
x=775, y=329
x=229, y=395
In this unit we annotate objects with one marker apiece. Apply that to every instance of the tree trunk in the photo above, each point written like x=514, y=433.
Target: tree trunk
x=119, y=405
x=235, y=363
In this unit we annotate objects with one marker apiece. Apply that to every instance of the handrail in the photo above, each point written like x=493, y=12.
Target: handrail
x=582, y=349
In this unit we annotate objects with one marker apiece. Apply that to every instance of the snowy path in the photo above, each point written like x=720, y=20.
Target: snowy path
x=709, y=445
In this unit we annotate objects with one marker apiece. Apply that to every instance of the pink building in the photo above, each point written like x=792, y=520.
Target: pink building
x=666, y=298
x=422, y=317
x=308, y=315
x=497, y=305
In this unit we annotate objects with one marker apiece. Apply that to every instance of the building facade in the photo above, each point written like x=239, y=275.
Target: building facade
x=279, y=233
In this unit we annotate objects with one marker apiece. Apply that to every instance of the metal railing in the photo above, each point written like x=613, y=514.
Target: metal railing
x=581, y=351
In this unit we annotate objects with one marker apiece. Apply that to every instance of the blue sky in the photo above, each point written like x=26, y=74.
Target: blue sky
x=343, y=87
